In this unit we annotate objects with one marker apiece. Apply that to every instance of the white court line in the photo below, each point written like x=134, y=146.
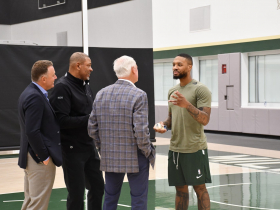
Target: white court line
x=13, y=201
x=11, y=152
x=266, y=163
x=227, y=157
x=227, y=204
x=124, y=205
x=227, y=185
x=251, y=161
x=275, y=169
x=86, y=192
x=249, y=207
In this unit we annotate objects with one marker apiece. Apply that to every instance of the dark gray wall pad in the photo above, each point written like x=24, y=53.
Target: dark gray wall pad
x=16, y=63
x=5, y=7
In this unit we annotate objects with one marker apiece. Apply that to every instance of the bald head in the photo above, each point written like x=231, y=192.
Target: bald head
x=80, y=66
x=77, y=57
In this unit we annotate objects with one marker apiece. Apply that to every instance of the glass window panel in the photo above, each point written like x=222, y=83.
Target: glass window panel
x=209, y=76
x=214, y=88
x=168, y=81
x=252, y=79
x=260, y=83
x=271, y=78
x=264, y=74
x=163, y=80
x=202, y=71
x=158, y=81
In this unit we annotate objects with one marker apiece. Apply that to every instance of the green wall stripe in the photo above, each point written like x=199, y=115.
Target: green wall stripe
x=9, y=156
x=272, y=44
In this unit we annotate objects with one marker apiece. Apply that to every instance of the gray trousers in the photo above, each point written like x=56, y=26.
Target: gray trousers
x=38, y=183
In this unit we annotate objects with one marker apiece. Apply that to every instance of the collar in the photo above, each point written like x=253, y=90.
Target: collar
x=128, y=81
x=76, y=80
x=42, y=89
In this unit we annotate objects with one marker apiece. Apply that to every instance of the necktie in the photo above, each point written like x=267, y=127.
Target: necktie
x=46, y=94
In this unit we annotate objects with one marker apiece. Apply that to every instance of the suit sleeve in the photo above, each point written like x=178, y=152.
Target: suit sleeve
x=33, y=115
x=61, y=102
x=93, y=130
x=141, y=130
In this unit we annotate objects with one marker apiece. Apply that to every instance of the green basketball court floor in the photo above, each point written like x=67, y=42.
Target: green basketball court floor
x=242, y=178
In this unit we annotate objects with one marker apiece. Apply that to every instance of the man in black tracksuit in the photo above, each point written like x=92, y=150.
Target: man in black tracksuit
x=72, y=101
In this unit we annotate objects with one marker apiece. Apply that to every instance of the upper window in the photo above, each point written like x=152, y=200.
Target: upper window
x=163, y=80
x=264, y=74
x=208, y=75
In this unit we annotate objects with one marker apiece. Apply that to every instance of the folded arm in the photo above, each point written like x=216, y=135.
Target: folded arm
x=61, y=102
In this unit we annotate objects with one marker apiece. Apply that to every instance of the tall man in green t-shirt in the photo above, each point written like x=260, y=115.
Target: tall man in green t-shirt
x=189, y=110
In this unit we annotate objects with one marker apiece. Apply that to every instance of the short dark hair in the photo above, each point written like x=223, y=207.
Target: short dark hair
x=188, y=57
x=40, y=68
x=78, y=57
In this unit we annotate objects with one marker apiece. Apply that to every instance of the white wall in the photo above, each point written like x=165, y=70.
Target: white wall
x=230, y=20
x=123, y=25
x=5, y=32
x=43, y=32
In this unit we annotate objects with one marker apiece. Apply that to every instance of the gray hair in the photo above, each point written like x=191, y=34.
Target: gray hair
x=122, y=66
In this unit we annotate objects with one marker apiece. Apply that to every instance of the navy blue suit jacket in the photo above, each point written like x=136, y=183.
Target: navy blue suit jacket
x=39, y=128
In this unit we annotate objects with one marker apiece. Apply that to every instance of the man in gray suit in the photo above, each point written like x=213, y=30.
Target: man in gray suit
x=119, y=126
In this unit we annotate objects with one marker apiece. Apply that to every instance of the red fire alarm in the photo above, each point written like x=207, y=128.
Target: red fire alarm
x=224, y=69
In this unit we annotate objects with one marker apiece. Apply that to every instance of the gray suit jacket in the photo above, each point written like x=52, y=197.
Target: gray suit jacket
x=119, y=126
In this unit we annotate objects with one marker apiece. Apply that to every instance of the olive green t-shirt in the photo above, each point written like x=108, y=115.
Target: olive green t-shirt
x=187, y=135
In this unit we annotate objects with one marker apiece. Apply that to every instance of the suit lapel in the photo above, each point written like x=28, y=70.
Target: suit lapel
x=49, y=104
x=44, y=98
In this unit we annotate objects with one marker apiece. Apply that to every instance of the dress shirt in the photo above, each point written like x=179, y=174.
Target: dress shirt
x=42, y=89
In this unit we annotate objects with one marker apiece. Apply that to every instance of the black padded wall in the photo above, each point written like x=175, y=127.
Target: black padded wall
x=16, y=63
x=103, y=73
x=5, y=7
x=20, y=11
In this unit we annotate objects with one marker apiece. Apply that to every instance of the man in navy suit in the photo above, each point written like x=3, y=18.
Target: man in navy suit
x=40, y=146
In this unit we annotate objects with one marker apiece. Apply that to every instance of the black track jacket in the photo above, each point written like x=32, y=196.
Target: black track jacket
x=72, y=101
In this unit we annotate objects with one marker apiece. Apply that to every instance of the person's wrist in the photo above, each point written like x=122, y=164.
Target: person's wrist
x=187, y=104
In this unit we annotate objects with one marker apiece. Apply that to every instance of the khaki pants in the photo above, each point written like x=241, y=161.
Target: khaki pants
x=38, y=183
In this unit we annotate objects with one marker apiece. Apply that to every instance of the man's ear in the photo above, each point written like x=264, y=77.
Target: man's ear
x=133, y=69
x=43, y=78
x=190, y=67
x=78, y=66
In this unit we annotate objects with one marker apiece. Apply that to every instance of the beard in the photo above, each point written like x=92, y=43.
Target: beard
x=180, y=76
